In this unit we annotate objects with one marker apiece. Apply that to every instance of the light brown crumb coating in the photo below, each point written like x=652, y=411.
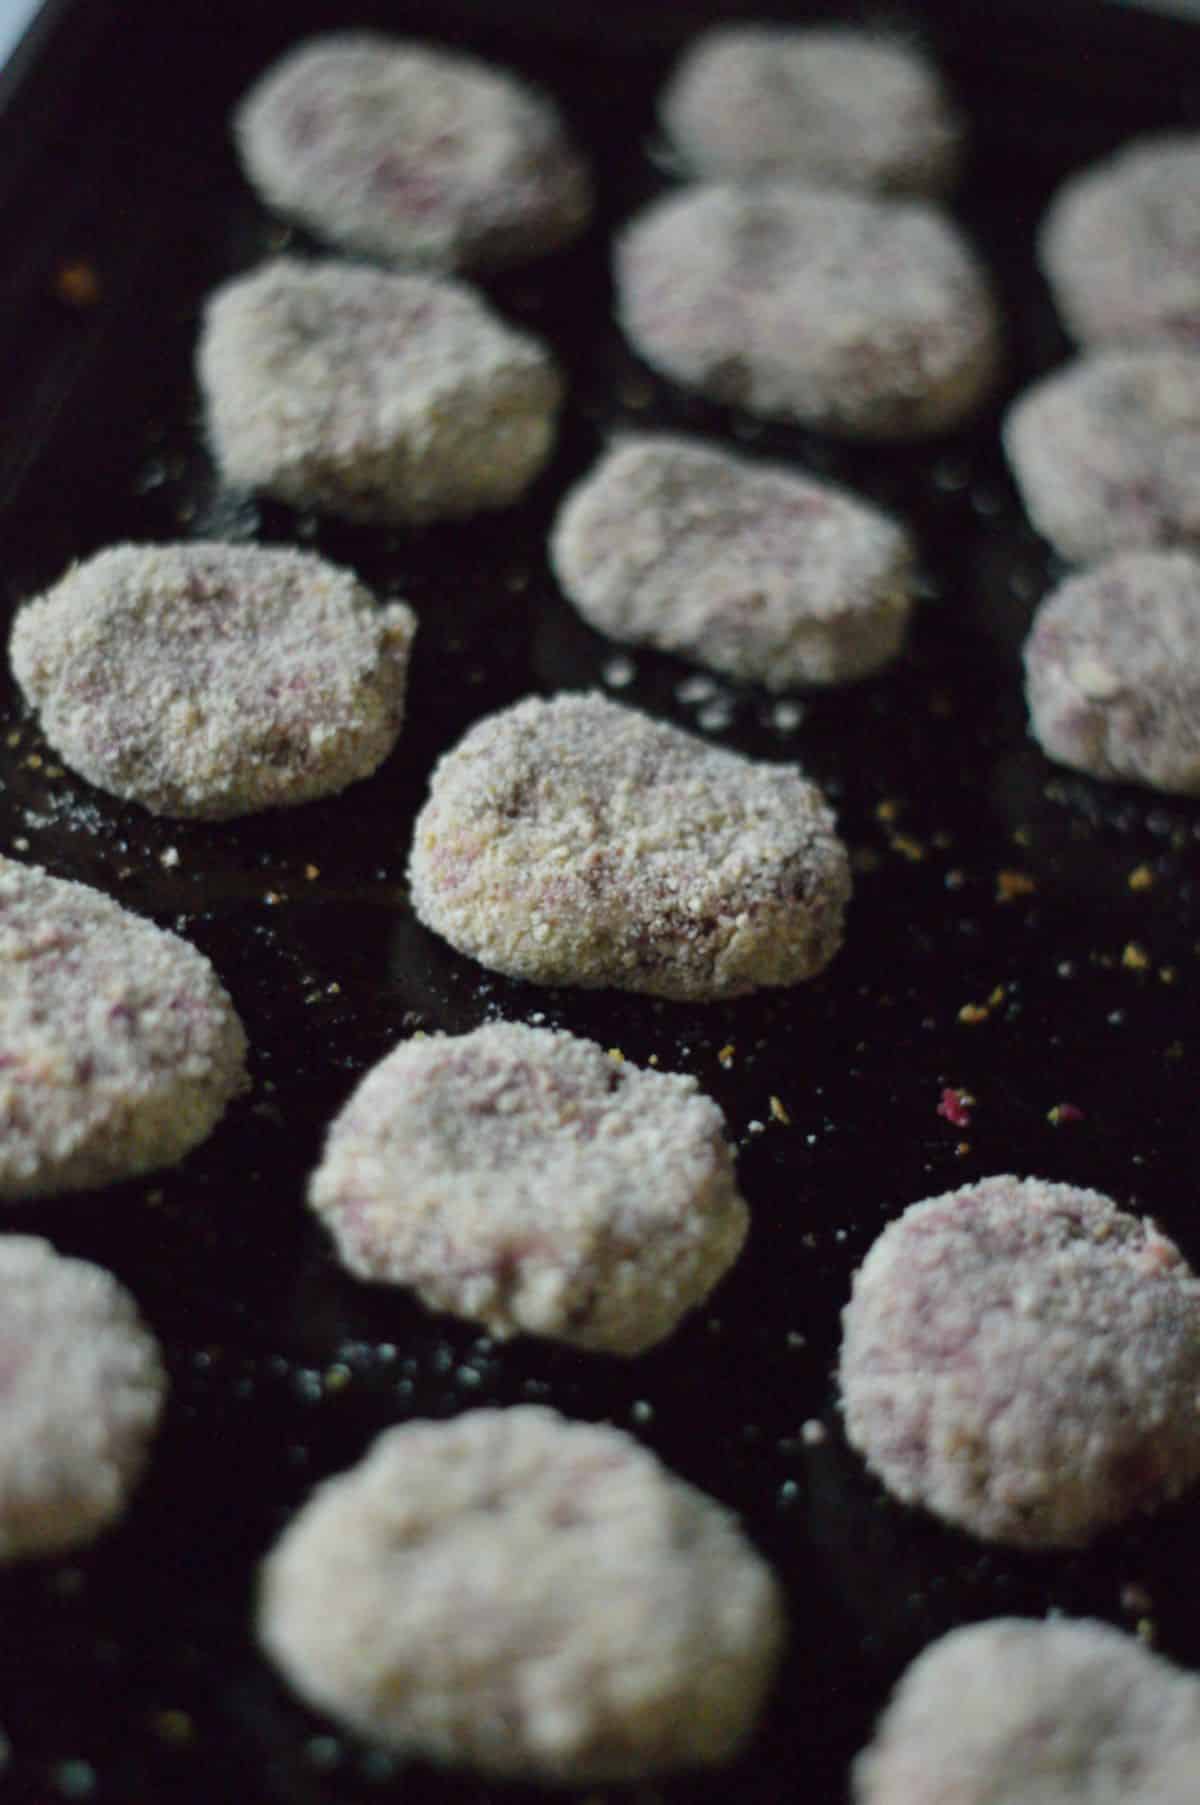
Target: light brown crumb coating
x=412, y=153
x=215, y=680
x=573, y=841
x=1023, y=1359
x=1018, y=1712
x=119, y=1048
x=382, y=398
x=83, y=1387
x=523, y=1178
x=752, y=569
x=529, y=1597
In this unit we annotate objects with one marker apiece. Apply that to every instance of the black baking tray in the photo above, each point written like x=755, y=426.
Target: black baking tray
x=983, y=875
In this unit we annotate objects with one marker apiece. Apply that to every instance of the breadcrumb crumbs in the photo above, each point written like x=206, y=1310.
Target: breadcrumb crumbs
x=971, y=1013
x=1011, y=884
x=780, y=1113
x=1135, y=957
x=1064, y=1112
x=1141, y=878
x=955, y=1106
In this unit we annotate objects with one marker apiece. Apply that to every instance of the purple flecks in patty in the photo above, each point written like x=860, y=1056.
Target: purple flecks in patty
x=1023, y=1359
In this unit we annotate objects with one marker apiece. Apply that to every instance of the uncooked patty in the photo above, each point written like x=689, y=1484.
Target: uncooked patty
x=831, y=105
x=382, y=398
x=751, y=569
x=869, y=319
x=1120, y=245
x=1023, y=1359
x=1017, y=1712
x=411, y=153
x=1112, y=671
x=1106, y=452
x=82, y=1387
x=524, y=1178
x=533, y=1598
x=573, y=841
x=119, y=1048
x=214, y=680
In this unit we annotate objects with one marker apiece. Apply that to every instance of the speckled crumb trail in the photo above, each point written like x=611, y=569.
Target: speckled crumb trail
x=1023, y=1359
x=119, y=1048
x=84, y=1386
x=1018, y=1712
x=412, y=153
x=1112, y=671
x=757, y=571
x=1106, y=452
x=1120, y=245
x=215, y=680
x=824, y=104
x=382, y=398
x=529, y=1597
x=862, y=318
x=573, y=841
x=523, y=1178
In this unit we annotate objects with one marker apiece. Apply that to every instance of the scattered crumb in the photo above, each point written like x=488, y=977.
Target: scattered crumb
x=970, y=1013
x=1011, y=884
x=1167, y=974
x=169, y=857
x=1136, y=1600
x=1135, y=957
x=725, y=1056
x=780, y=1113
x=1141, y=878
x=311, y=872
x=77, y=284
x=813, y=1433
x=1064, y=1112
x=907, y=847
x=175, y=1727
x=887, y=810
x=956, y=1106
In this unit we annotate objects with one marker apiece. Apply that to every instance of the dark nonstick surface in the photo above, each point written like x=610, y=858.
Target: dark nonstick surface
x=984, y=876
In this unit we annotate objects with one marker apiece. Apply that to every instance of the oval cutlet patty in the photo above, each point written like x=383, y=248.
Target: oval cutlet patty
x=119, y=1048
x=382, y=398
x=214, y=680
x=529, y=1597
x=1017, y=1712
x=862, y=318
x=523, y=1178
x=1023, y=1359
x=83, y=1387
x=1120, y=245
x=831, y=105
x=411, y=153
x=1112, y=671
x=1106, y=452
x=751, y=569
x=573, y=841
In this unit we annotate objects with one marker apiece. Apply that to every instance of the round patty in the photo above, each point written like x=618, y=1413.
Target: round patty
x=523, y=1178
x=1023, y=1359
x=573, y=841
x=119, y=1048
x=382, y=398
x=1106, y=452
x=823, y=104
x=1120, y=245
x=411, y=153
x=533, y=1598
x=1112, y=671
x=1017, y=1712
x=83, y=1388
x=869, y=319
x=214, y=680
x=750, y=569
